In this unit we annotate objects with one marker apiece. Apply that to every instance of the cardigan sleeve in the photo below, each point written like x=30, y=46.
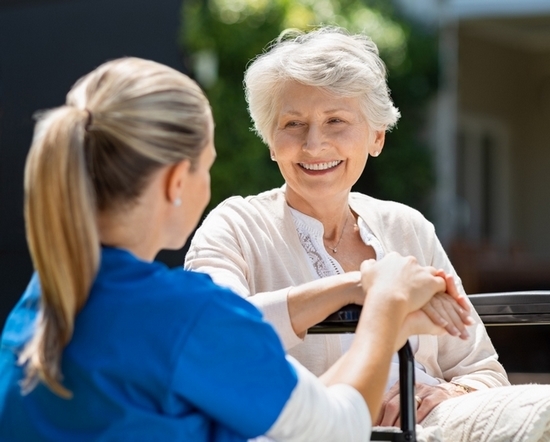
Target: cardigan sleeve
x=472, y=362
x=221, y=247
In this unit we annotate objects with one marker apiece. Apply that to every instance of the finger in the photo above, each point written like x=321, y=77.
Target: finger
x=431, y=397
x=418, y=323
x=452, y=290
x=439, y=278
x=423, y=410
x=390, y=406
x=391, y=412
x=451, y=311
x=464, y=314
x=434, y=315
x=367, y=264
x=440, y=321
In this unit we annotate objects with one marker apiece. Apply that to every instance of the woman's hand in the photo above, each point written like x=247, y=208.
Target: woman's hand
x=450, y=310
x=427, y=398
x=401, y=279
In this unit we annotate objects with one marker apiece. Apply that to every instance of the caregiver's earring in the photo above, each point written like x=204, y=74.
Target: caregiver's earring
x=376, y=153
x=177, y=202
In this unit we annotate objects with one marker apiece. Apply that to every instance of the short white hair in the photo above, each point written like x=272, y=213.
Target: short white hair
x=330, y=58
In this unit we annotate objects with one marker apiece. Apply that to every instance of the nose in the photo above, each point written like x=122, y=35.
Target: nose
x=313, y=141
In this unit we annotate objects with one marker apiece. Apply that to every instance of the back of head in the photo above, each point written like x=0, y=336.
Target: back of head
x=329, y=58
x=120, y=123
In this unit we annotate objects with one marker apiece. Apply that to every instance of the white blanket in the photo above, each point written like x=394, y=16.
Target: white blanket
x=519, y=413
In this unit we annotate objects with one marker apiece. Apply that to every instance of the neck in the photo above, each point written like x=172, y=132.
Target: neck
x=125, y=232
x=138, y=228
x=336, y=218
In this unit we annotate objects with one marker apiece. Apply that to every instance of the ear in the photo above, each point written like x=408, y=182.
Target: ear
x=175, y=181
x=378, y=142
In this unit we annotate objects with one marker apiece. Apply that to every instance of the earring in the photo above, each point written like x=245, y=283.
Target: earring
x=177, y=202
x=376, y=153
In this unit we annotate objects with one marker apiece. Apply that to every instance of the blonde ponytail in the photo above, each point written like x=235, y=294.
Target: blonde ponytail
x=62, y=236
x=123, y=121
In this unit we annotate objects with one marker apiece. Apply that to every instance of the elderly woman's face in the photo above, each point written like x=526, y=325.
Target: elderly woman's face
x=321, y=143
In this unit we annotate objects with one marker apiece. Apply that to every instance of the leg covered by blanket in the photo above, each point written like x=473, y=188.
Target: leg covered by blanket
x=518, y=413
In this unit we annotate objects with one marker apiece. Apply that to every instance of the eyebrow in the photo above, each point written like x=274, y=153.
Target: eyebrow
x=328, y=111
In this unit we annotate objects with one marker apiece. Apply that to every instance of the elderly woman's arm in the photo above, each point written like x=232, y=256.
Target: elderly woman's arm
x=240, y=250
x=473, y=362
x=463, y=365
x=236, y=253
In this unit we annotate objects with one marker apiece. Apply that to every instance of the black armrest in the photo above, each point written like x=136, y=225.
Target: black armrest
x=342, y=321
x=513, y=308
x=505, y=308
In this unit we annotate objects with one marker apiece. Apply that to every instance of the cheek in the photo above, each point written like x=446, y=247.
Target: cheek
x=205, y=191
x=282, y=142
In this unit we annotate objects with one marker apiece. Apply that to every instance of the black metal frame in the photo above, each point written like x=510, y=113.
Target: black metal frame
x=345, y=321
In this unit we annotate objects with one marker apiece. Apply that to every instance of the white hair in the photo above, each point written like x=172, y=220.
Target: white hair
x=330, y=58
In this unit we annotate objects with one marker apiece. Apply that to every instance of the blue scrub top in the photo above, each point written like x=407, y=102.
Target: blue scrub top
x=157, y=354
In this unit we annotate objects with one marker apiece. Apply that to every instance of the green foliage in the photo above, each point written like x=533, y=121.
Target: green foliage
x=222, y=36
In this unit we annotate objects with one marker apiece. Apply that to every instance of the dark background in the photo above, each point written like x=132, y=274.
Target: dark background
x=45, y=46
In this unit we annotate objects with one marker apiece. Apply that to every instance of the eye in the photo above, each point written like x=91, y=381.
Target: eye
x=335, y=120
x=292, y=124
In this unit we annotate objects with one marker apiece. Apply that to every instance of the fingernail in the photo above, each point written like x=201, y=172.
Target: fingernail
x=470, y=320
x=465, y=334
x=454, y=331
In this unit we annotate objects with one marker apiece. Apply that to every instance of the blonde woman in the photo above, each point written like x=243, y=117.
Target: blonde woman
x=107, y=344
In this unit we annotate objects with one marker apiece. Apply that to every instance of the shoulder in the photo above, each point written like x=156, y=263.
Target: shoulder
x=269, y=200
x=19, y=325
x=197, y=290
x=389, y=211
x=247, y=214
x=192, y=289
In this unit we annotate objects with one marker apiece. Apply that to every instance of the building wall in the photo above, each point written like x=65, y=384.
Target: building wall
x=44, y=48
x=506, y=84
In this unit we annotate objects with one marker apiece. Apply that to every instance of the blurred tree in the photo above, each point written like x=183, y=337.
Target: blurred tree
x=221, y=36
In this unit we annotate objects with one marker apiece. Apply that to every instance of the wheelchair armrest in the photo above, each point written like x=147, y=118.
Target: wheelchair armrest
x=501, y=308
x=513, y=308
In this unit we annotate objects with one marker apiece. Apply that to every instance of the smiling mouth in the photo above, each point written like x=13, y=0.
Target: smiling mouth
x=320, y=166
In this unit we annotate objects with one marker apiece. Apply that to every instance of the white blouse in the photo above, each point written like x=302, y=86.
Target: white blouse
x=310, y=232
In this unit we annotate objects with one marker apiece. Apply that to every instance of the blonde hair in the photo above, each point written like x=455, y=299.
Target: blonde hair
x=329, y=58
x=120, y=123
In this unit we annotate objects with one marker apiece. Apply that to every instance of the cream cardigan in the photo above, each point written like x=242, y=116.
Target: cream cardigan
x=251, y=246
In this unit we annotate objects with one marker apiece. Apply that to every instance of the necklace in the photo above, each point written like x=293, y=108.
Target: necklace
x=335, y=248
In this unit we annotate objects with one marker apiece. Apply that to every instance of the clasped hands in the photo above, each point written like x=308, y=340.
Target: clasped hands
x=447, y=311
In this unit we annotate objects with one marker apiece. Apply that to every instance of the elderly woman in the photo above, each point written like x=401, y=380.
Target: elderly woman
x=320, y=102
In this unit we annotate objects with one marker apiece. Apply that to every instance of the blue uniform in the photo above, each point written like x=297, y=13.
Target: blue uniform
x=157, y=354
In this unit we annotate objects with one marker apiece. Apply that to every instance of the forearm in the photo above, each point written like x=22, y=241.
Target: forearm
x=365, y=365
x=312, y=302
